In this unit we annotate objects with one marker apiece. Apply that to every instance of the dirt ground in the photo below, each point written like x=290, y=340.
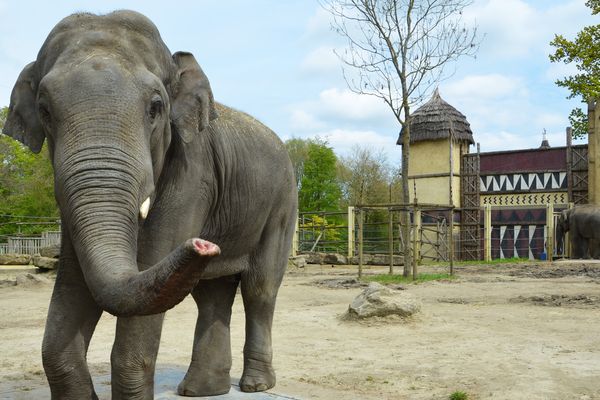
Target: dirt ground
x=496, y=332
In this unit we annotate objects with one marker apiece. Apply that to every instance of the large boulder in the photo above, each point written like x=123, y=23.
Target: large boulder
x=15, y=259
x=335, y=259
x=379, y=301
x=297, y=262
x=315, y=258
x=50, y=251
x=45, y=262
x=377, y=259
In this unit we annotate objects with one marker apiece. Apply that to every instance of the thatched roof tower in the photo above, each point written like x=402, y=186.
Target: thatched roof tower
x=435, y=120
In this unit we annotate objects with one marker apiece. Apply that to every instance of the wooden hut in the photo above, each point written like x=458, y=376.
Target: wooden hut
x=439, y=136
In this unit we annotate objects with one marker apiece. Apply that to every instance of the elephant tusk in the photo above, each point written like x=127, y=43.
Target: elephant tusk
x=145, y=208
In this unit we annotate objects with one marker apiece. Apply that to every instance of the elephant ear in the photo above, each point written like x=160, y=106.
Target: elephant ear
x=22, y=122
x=193, y=105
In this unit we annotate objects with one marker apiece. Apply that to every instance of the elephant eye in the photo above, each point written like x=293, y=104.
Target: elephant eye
x=156, y=107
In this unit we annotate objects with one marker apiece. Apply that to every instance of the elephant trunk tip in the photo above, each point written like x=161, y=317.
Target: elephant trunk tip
x=205, y=248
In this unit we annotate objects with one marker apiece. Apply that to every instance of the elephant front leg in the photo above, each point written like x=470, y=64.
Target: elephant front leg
x=208, y=373
x=133, y=356
x=72, y=318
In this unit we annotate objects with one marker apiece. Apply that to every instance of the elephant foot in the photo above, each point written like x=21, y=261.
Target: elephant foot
x=203, y=384
x=258, y=376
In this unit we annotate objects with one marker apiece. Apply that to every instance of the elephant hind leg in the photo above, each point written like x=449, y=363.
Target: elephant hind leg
x=579, y=247
x=208, y=373
x=260, y=284
x=258, y=374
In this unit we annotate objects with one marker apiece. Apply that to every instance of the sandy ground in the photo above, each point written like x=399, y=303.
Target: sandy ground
x=502, y=332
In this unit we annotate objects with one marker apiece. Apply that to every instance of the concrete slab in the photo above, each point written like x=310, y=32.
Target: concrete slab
x=570, y=261
x=165, y=386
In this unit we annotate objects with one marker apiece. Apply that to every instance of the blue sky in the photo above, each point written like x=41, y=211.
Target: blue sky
x=274, y=59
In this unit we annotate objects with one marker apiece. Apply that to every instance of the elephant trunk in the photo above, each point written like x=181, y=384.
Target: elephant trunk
x=100, y=188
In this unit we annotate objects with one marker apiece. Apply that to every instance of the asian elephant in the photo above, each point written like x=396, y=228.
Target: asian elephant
x=583, y=224
x=145, y=161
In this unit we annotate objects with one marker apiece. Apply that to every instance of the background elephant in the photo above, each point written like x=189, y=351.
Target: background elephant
x=583, y=224
x=144, y=160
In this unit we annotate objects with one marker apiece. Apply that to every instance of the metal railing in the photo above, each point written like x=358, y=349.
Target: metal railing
x=30, y=245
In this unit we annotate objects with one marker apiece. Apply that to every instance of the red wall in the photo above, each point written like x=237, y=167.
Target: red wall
x=534, y=160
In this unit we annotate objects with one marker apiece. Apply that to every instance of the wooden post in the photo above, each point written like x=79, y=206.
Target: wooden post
x=569, y=139
x=487, y=232
x=350, y=231
x=296, y=238
x=360, y=242
x=451, y=242
x=415, y=247
x=567, y=247
x=391, y=239
x=593, y=137
x=549, y=231
x=451, y=161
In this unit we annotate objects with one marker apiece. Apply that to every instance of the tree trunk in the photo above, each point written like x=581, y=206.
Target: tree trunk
x=406, y=199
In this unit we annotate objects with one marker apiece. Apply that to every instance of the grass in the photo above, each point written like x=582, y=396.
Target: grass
x=386, y=278
x=458, y=396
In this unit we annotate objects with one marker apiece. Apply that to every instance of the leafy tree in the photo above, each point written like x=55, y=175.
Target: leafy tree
x=366, y=177
x=319, y=188
x=584, y=52
x=26, y=185
x=298, y=152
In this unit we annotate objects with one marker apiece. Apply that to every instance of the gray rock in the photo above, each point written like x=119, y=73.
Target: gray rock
x=379, y=301
x=377, y=259
x=335, y=259
x=45, y=262
x=7, y=283
x=315, y=258
x=50, y=251
x=15, y=259
x=31, y=280
x=297, y=262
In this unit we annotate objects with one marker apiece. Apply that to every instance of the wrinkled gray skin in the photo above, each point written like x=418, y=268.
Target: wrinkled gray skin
x=583, y=224
x=126, y=120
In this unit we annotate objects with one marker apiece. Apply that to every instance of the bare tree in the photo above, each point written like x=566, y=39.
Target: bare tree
x=365, y=176
x=396, y=51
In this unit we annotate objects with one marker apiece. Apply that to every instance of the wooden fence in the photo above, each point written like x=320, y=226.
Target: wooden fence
x=30, y=245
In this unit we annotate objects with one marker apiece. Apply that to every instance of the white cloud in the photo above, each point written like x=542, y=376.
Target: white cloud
x=515, y=28
x=335, y=108
x=321, y=60
x=490, y=86
x=557, y=71
x=504, y=140
x=343, y=140
x=348, y=105
x=490, y=102
x=301, y=120
x=508, y=25
x=319, y=24
x=545, y=120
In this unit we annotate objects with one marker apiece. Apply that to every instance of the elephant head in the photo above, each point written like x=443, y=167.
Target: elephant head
x=109, y=98
x=562, y=227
